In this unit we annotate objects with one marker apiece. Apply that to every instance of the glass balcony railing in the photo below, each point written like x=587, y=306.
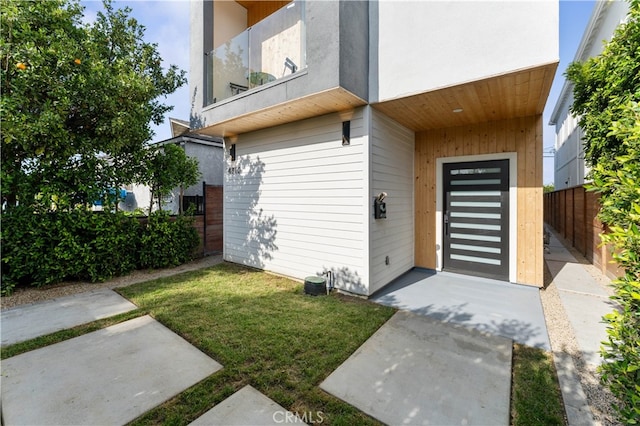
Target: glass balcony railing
x=272, y=49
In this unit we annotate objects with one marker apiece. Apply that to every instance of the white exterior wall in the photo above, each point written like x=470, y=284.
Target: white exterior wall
x=569, y=165
x=392, y=152
x=425, y=45
x=297, y=203
x=210, y=163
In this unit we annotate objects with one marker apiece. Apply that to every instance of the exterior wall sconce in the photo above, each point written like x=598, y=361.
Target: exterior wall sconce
x=232, y=152
x=346, y=133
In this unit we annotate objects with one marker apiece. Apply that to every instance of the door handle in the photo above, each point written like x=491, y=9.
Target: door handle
x=446, y=223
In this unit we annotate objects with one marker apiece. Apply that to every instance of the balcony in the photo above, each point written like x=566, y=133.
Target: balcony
x=271, y=50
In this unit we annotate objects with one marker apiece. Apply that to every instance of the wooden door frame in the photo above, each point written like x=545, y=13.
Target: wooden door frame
x=513, y=204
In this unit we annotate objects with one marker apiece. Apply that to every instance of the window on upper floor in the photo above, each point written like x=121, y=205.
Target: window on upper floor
x=258, y=42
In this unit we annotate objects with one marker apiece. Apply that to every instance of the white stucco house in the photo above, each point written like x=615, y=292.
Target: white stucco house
x=367, y=138
x=569, y=164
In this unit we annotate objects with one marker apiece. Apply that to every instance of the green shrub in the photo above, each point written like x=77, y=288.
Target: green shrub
x=620, y=200
x=112, y=249
x=167, y=241
x=46, y=248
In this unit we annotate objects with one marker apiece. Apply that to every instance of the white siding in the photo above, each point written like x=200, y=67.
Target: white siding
x=392, y=151
x=297, y=205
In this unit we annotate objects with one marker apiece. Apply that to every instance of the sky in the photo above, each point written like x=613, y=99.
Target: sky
x=167, y=24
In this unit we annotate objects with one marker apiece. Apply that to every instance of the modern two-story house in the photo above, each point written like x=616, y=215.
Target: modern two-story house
x=367, y=138
x=570, y=168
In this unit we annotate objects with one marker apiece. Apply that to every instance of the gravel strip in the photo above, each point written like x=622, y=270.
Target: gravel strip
x=563, y=340
x=26, y=295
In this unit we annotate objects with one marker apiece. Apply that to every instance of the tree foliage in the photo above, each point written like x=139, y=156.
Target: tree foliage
x=621, y=209
x=603, y=84
x=169, y=167
x=607, y=96
x=77, y=101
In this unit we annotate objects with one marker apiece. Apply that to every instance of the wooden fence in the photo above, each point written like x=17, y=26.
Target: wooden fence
x=572, y=212
x=209, y=224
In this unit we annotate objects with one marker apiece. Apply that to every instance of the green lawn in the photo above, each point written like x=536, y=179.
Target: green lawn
x=535, y=393
x=267, y=333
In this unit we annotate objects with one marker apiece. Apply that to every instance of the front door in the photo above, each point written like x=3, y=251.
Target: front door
x=476, y=218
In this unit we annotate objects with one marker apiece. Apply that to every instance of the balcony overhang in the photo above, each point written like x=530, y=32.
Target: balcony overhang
x=328, y=101
x=518, y=94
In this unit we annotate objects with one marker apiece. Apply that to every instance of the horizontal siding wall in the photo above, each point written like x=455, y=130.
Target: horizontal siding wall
x=392, y=149
x=520, y=135
x=295, y=204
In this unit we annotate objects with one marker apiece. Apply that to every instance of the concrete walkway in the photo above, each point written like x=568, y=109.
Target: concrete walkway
x=108, y=377
x=416, y=370
x=247, y=407
x=38, y=319
x=585, y=302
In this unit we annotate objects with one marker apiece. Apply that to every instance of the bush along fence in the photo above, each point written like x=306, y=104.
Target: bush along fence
x=46, y=248
x=572, y=213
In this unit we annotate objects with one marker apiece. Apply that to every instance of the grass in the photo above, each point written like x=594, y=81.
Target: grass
x=265, y=332
x=535, y=393
x=268, y=334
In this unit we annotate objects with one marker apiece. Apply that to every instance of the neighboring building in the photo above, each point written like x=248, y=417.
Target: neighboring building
x=209, y=153
x=569, y=165
x=328, y=106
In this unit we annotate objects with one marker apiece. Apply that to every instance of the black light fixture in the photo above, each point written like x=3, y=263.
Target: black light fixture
x=232, y=152
x=346, y=133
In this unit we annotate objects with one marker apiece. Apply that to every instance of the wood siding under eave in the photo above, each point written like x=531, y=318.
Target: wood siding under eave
x=258, y=10
x=520, y=135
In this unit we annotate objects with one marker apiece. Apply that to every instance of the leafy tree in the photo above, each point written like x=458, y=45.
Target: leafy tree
x=548, y=188
x=603, y=84
x=76, y=105
x=77, y=101
x=607, y=96
x=168, y=167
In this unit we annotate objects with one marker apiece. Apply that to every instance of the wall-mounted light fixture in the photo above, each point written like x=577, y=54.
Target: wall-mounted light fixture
x=232, y=152
x=346, y=133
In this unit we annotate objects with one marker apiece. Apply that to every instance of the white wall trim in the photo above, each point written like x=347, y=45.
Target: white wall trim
x=513, y=204
x=367, y=209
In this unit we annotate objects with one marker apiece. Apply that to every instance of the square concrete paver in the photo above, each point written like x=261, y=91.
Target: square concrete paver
x=30, y=321
x=417, y=370
x=247, y=407
x=108, y=377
